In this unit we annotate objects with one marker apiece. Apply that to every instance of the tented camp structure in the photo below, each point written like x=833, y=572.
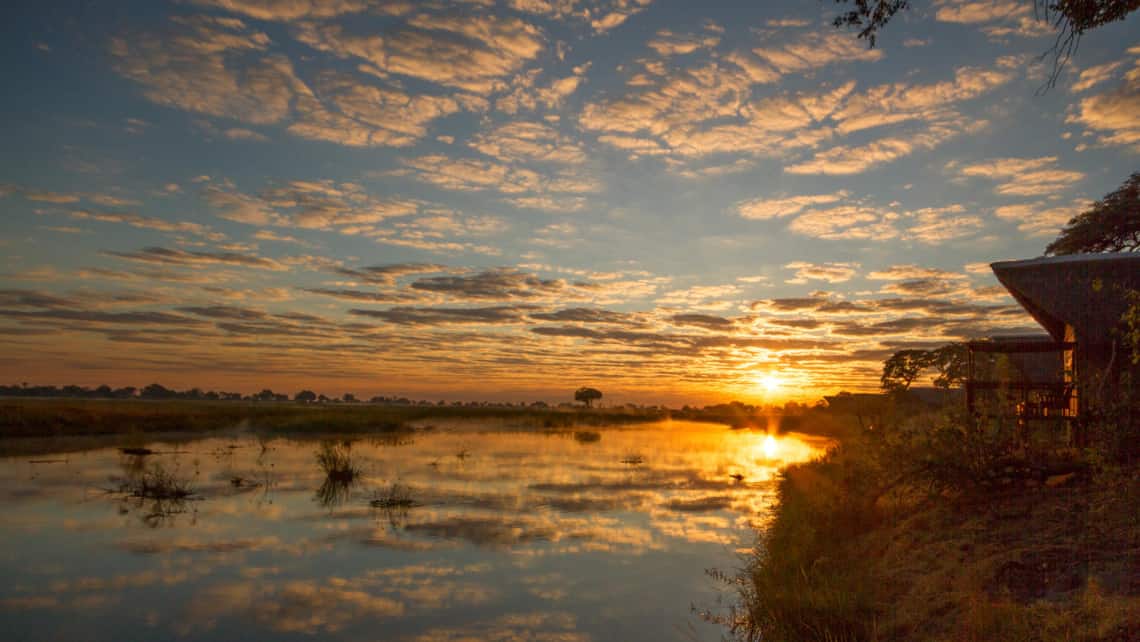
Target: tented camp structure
x=1079, y=300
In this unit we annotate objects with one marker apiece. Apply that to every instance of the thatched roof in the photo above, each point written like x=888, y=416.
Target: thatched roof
x=1086, y=291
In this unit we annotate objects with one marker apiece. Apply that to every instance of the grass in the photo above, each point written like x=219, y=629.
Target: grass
x=856, y=551
x=62, y=417
x=155, y=482
x=335, y=459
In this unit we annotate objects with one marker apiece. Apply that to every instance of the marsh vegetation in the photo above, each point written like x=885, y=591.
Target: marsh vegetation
x=937, y=526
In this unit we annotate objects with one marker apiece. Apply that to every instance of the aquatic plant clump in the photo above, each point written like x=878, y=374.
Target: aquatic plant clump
x=335, y=459
x=158, y=483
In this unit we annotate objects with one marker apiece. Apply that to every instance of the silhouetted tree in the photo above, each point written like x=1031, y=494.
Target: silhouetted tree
x=265, y=395
x=349, y=397
x=1112, y=224
x=587, y=396
x=1070, y=18
x=156, y=391
x=306, y=396
x=952, y=365
x=903, y=367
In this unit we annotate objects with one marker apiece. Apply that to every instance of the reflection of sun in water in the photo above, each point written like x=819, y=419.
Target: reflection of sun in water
x=770, y=447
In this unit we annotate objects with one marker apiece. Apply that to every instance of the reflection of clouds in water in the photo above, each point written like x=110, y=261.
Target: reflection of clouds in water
x=539, y=627
x=297, y=606
x=693, y=527
x=316, y=606
x=263, y=556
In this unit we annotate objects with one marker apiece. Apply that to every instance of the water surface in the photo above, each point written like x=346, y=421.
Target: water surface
x=593, y=535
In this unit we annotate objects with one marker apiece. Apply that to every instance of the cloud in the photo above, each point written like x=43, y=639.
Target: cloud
x=1095, y=75
x=522, y=142
x=900, y=102
x=1012, y=18
x=614, y=13
x=935, y=225
x=354, y=113
x=709, y=107
x=585, y=315
x=150, y=223
x=502, y=284
x=910, y=271
x=1024, y=176
x=830, y=272
x=667, y=43
x=526, y=94
x=846, y=222
x=1040, y=218
x=311, y=204
x=472, y=52
x=764, y=209
x=707, y=321
x=221, y=67
x=844, y=160
x=387, y=275
x=817, y=50
x=707, y=297
x=168, y=256
x=448, y=316
x=522, y=185
x=1114, y=114
x=213, y=66
x=288, y=10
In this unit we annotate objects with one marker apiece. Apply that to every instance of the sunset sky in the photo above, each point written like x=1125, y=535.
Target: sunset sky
x=668, y=200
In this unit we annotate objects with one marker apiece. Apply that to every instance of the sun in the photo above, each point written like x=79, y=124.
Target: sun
x=770, y=383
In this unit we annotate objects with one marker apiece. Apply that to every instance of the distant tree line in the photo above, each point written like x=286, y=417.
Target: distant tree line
x=159, y=392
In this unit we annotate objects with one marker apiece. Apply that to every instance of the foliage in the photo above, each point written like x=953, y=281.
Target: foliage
x=904, y=366
x=1112, y=224
x=307, y=396
x=1131, y=326
x=587, y=396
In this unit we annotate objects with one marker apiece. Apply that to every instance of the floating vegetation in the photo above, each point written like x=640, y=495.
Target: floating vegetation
x=396, y=496
x=633, y=460
x=737, y=476
x=138, y=452
x=587, y=436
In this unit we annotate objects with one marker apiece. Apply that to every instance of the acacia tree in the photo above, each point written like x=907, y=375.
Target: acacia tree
x=1112, y=224
x=587, y=395
x=1070, y=18
x=904, y=366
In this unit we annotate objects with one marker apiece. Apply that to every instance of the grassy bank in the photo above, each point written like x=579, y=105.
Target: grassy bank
x=934, y=531
x=63, y=417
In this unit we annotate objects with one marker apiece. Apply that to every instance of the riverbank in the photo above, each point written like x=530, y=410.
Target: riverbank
x=886, y=539
x=74, y=417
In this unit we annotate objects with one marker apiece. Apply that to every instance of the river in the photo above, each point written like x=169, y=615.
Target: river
x=461, y=532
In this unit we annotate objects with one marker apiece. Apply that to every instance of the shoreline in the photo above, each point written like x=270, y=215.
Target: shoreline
x=1054, y=557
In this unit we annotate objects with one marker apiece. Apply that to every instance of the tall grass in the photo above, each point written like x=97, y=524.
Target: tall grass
x=57, y=417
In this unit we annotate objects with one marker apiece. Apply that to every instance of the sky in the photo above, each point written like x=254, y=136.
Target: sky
x=673, y=202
